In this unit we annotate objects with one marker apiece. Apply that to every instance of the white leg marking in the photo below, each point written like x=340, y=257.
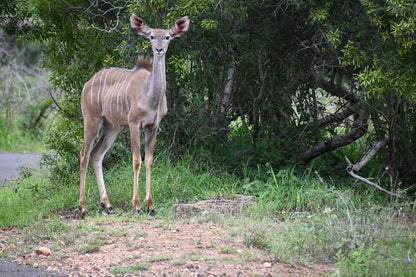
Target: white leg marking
x=100, y=178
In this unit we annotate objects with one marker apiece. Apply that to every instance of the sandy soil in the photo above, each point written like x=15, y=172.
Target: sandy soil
x=188, y=246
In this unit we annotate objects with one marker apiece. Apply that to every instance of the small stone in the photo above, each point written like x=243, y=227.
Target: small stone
x=43, y=251
x=267, y=265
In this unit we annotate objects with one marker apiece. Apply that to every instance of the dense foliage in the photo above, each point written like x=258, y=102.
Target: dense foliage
x=269, y=81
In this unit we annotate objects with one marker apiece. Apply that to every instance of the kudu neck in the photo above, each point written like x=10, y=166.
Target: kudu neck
x=158, y=78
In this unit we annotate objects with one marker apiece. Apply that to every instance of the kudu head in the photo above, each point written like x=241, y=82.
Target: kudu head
x=159, y=38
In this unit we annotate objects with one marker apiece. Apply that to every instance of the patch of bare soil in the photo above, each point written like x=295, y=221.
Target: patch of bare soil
x=159, y=247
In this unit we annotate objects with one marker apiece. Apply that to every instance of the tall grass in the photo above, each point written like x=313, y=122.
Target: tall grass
x=15, y=138
x=172, y=183
x=31, y=197
x=304, y=219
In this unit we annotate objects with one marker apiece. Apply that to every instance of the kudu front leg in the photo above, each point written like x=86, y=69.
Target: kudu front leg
x=137, y=161
x=149, y=149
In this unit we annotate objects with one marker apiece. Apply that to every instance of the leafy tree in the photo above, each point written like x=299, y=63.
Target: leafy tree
x=375, y=41
x=277, y=81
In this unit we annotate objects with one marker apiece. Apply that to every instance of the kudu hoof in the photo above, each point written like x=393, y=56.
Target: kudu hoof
x=108, y=210
x=83, y=213
x=151, y=212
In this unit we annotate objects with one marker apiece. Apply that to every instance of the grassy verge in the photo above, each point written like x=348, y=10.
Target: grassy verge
x=14, y=138
x=297, y=219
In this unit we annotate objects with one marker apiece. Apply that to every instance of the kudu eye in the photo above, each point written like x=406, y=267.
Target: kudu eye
x=151, y=37
x=167, y=38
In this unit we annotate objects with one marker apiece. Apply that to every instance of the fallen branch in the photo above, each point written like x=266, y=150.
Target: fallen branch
x=358, y=130
x=373, y=150
x=351, y=167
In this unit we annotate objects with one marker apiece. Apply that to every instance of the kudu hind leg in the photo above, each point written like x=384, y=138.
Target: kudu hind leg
x=106, y=140
x=90, y=133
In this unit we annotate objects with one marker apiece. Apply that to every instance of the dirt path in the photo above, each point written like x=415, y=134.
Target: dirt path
x=157, y=247
x=201, y=245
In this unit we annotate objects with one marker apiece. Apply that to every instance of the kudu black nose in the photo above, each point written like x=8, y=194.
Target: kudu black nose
x=159, y=49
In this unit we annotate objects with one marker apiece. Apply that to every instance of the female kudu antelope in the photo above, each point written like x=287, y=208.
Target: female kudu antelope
x=115, y=98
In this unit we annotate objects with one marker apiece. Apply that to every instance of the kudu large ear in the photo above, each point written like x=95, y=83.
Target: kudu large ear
x=139, y=26
x=180, y=27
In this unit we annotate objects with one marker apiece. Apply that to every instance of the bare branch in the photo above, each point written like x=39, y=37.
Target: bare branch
x=338, y=90
x=350, y=171
x=373, y=150
x=358, y=130
x=336, y=117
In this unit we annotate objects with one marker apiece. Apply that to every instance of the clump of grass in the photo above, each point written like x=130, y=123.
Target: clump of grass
x=256, y=236
x=92, y=244
x=227, y=249
x=161, y=258
x=43, y=229
x=179, y=262
x=362, y=244
x=131, y=269
x=362, y=239
x=141, y=234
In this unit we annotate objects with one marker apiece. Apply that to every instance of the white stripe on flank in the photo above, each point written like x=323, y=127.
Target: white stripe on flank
x=105, y=83
x=83, y=91
x=113, y=86
x=113, y=92
x=92, y=86
x=120, y=91
x=107, y=96
x=126, y=99
x=99, y=88
x=117, y=89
